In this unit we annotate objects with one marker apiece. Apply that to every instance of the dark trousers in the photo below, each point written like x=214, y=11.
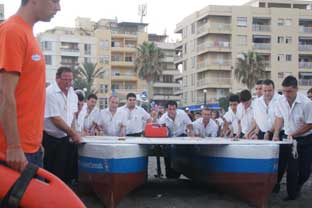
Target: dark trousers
x=298, y=170
x=58, y=157
x=170, y=172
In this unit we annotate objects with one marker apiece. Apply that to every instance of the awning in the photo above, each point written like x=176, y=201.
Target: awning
x=308, y=74
x=262, y=36
x=213, y=106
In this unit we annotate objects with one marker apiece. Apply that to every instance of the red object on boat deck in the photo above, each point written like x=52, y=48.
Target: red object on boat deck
x=53, y=193
x=155, y=130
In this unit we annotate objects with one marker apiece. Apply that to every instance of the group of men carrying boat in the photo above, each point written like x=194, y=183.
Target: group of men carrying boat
x=29, y=114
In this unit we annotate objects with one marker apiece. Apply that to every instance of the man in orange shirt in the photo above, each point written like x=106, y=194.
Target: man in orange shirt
x=22, y=84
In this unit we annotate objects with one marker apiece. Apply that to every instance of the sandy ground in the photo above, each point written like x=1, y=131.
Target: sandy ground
x=182, y=193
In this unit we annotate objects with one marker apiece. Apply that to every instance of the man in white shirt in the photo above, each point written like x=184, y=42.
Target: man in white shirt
x=136, y=117
x=205, y=126
x=264, y=112
x=231, y=128
x=244, y=113
x=295, y=111
x=179, y=124
x=61, y=104
x=90, y=116
x=111, y=120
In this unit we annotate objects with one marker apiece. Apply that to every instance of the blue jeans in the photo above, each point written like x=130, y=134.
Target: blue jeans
x=35, y=158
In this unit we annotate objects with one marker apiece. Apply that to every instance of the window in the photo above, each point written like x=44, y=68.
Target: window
x=193, y=61
x=280, y=57
x=288, y=57
x=103, y=88
x=280, y=39
x=193, y=79
x=288, y=22
x=128, y=58
x=87, y=49
x=46, y=45
x=167, y=78
x=104, y=59
x=103, y=103
x=103, y=74
x=193, y=96
x=242, y=21
x=280, y=22
x=280, y=75
x=288, y=40
x=104, y=44
x=87, y=59
x=48, y=59
x=242, y=40
x=193, y=28
x=185, y=81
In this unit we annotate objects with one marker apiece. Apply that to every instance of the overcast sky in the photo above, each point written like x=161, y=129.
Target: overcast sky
x=161, y=14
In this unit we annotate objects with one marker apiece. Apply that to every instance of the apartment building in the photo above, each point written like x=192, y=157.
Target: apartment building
x=1, y=13
x=107, y=42
x=212, y=38
x=165, y=85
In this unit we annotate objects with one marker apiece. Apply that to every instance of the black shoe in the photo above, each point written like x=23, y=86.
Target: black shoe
x=276, y=188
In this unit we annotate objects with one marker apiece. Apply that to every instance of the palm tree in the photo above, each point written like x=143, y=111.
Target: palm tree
x=85, y=74
x=147, y=63
x=249, y=69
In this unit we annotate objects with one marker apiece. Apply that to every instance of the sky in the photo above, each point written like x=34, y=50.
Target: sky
x=162, y=15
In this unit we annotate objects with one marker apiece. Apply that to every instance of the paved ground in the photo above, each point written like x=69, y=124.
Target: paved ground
x=181, y=193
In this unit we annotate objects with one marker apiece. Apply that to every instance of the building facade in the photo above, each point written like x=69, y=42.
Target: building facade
x=165, y=84
x=212, y=38
x=110, y=44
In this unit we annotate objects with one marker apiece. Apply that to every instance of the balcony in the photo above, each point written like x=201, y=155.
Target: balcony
x=215, y=65
x=124, y=77
x=305, y=65
x=262, y=46
x=214, y=28
x=261, y=28
x=305, y=82
x=124, y=48
x=305, y=47
x=166, y=84
x=213, y=82
x=304, y=29
x=123, y=34
x=165, y=97
x=214, y=46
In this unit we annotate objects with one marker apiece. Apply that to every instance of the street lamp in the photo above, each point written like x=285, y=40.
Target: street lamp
x=205, y=96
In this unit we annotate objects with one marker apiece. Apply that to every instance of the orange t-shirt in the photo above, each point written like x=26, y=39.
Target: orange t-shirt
x=20, y=52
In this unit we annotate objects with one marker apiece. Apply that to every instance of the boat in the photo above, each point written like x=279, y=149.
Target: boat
x=50, y=193
x=115, y=166
x=248, y=172
x=112, y=170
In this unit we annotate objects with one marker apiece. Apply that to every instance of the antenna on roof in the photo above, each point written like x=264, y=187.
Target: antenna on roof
x=142, y=11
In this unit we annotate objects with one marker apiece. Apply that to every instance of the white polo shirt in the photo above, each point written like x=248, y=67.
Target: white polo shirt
x=232, y=119
x=90, y=118
x=135, y=119
x=211, y=130
x=264, y=115
x=111, y=123
x=79, y=121
x=178, y=126
x=296, y=116
x=245, y=116
x=57, y=104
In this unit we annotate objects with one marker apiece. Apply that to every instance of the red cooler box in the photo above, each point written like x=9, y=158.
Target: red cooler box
x=155, y=130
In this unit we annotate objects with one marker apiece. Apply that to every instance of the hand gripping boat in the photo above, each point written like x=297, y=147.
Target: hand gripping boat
x=38, y=193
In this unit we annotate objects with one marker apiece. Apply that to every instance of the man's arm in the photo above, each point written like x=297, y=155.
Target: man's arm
x=15, y=156
x=277, y=127
x=61, y=124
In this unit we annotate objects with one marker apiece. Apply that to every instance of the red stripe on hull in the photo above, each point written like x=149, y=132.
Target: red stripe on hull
x=253, y=188
x=111, y=188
